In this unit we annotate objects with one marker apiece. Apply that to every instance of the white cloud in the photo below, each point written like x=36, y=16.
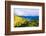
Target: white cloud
x=26, y=12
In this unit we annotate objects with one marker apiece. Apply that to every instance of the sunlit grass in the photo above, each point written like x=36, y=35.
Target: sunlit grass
x=22, y=22
x=18, y=20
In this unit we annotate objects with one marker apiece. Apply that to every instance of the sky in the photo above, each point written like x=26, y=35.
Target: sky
x=26, y=12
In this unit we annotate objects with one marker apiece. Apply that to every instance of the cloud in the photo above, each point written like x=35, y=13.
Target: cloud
x=26, y=12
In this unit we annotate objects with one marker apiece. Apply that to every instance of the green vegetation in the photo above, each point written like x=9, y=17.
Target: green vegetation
x=26, y=23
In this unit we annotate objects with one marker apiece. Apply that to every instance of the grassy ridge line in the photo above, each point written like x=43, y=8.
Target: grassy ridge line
x=22, y=22
x=18, y=20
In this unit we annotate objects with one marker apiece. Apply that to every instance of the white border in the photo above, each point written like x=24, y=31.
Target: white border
x=26, y=28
